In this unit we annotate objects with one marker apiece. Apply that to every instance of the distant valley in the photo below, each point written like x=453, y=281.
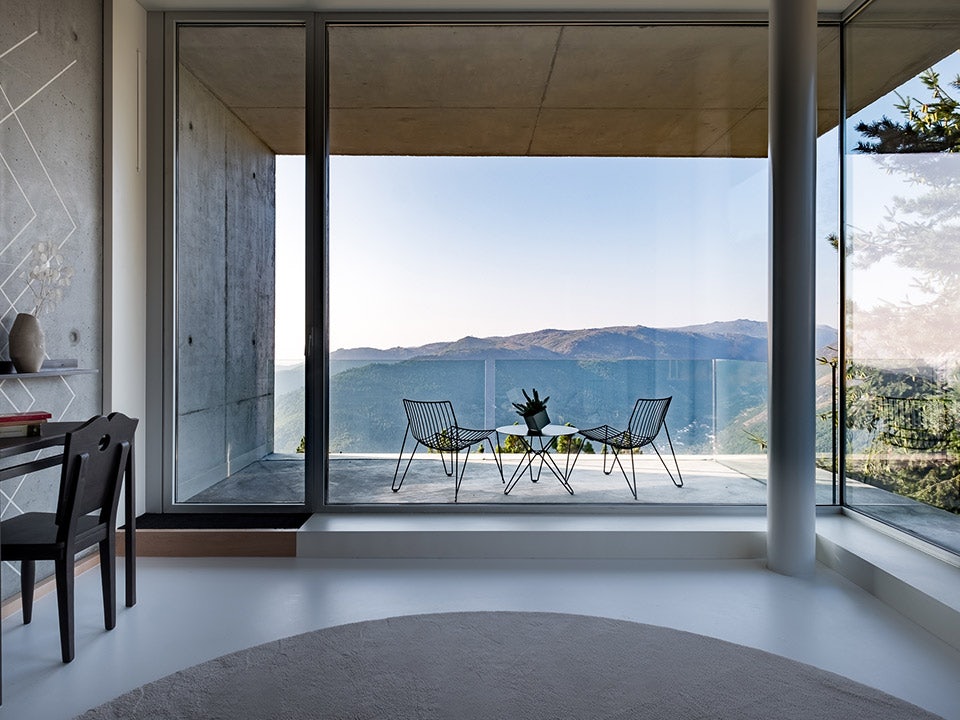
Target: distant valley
x=732, y=340
x=593, y=376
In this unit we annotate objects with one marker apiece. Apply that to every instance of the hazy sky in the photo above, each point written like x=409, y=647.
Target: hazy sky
x=425, y=249
x=428, y=249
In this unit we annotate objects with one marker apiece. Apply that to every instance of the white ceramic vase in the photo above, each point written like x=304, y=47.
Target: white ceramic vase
x=26, y=343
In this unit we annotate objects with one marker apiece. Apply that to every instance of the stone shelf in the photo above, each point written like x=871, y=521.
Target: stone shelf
x=48, y=372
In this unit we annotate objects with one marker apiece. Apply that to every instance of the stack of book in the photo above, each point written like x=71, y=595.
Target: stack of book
x=22, y=424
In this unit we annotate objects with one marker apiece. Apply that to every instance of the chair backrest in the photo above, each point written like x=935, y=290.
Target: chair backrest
x=94, y=459
x=429, y=418
x=915, y=423
x=648, y=416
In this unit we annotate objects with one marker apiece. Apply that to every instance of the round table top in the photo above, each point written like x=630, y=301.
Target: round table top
x=550, y=430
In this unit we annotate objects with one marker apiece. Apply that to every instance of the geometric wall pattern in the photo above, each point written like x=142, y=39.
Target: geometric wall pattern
x=51, y=170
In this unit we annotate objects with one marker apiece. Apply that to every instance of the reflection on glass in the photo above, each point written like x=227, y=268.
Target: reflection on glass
x=903, y=268
x=239, y=262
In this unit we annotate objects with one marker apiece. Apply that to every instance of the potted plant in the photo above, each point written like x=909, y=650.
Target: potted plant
x=533, y=412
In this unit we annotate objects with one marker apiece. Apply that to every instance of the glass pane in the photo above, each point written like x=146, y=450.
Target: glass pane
x=828, y=268
x=239, y=265
x=902, y=228
x=559, y=208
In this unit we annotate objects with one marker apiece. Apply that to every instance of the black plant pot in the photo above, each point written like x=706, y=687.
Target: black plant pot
x=536, y=422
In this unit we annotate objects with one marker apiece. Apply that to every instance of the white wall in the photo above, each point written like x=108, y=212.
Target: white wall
x=125, y=219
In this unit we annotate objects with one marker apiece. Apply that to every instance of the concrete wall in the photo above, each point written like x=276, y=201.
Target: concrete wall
x=225, y=292
x=51, y=166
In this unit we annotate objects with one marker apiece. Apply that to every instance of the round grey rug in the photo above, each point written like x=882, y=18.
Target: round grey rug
x=509, y=665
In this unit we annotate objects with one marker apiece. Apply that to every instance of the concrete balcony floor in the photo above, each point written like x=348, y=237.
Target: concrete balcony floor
x=706, y=481
x=365, y=479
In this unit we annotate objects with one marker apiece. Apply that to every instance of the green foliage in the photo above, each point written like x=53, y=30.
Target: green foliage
x=759, y=441
x=925, y=478
x=865, y=384
x=928, y=127
x=512, y=444
x=532, y=405
x=568, y=443
x=929, y=476
x=443, y=440
x=919, y=231
x=302, y=447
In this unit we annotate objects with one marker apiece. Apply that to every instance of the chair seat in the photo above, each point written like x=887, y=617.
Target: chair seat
x=619, y=439
x=455, y=439
x=33, y=536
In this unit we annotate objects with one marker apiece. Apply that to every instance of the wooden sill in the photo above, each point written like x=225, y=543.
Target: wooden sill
x=12, y=605
x=213, y=543
x=178, y=543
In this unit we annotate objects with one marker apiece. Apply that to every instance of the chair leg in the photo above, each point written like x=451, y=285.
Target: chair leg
x=616, y=458
x=678, y=481
x=613, y=454
x=498, y=460
x=633, y=472
x=458, y=475
x=396, y=486
x=108, y=579
x=452, y=470
x=64, y=574
x=28, y=578
x=457, y=472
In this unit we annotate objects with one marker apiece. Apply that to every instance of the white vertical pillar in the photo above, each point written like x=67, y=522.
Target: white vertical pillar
x=791, y=502
x=124, y=358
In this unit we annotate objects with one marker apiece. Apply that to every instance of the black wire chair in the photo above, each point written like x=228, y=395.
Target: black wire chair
x=915, y=423
x=434, y=424
x=649, y=415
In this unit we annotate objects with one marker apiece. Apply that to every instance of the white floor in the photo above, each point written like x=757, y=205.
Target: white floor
x=191, y=610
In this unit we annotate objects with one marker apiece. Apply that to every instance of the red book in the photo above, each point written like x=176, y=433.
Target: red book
x=23, y=418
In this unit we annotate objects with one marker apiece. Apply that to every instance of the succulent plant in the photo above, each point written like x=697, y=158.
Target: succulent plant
x=533, y=405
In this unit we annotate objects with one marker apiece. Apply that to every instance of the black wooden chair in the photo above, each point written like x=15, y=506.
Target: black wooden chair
x=434, y=424
x=94, y=460
x=648, y=417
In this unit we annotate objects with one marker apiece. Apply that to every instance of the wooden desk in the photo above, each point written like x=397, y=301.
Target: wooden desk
x=54, y=434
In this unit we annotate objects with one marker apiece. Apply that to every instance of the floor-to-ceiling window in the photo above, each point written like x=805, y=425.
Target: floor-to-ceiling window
x=580, y=209
x=902, y=267
x=239, y=265
x=576, y=208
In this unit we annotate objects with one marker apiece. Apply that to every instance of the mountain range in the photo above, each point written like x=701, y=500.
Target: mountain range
x=729, y=340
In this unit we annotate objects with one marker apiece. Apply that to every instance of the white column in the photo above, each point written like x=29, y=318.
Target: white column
x=791, y=502
x=124, y=357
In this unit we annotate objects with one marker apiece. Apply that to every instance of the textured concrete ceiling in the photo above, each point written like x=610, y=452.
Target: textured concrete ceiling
x=551, y=90
x=654, y=90
x=259, y=73
x=831, y=7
